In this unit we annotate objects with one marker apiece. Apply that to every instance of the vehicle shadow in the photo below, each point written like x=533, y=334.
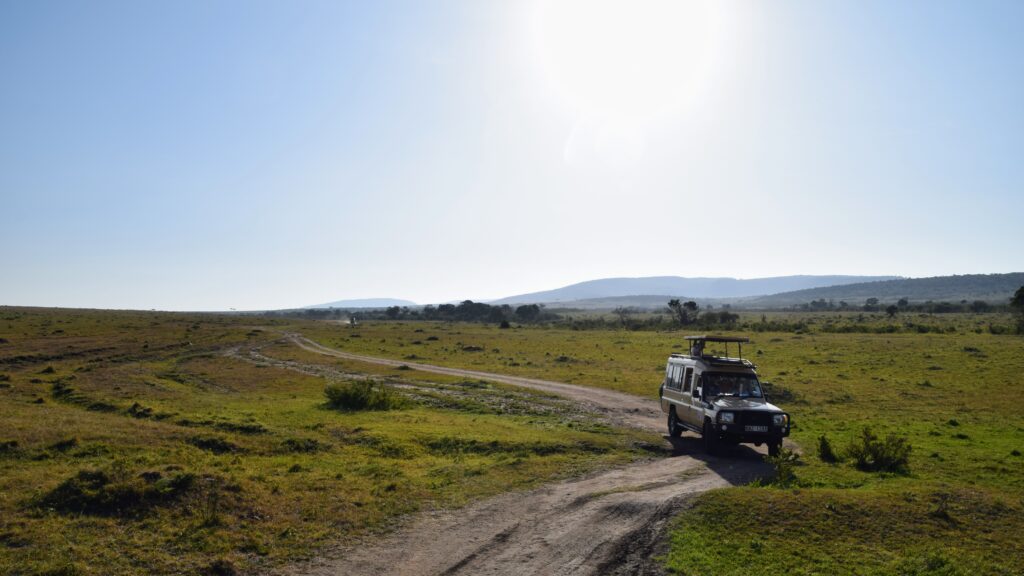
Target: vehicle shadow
x=738, y=464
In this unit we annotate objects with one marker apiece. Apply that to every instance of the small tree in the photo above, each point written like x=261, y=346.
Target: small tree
x=1017, y=305
x=527, y=312
x=691, y=309
x=685, y=312
x=825, y=451
x=873, y=454
x=624, y=313
x=891, y=310
x=784, y=464
x=979, y=306
x=677, y=310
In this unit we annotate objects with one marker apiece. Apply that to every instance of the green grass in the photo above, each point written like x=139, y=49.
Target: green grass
x=743, y=531
x=956, y=394
x=960, y=508
x=277, y=474
x=130, y=443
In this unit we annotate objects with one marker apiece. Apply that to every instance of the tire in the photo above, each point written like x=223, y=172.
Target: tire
x=674, y=429
x=774, y=448
x=710, y=438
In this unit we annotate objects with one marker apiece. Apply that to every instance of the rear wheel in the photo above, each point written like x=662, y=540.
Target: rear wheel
x=710, y=438
x=674, y=428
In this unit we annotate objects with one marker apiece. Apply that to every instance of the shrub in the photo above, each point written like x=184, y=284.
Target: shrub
x=221, y=567
x=783, y=464
x=779, y=393
x=241, y=427
x=104, y=494
x=207, y=505
x=139, y=411
x=940, y=510
x=825, y=451
x=213, y=444
x=873, y=454
x=64, y=445
x=301, y=445
x=360, y=395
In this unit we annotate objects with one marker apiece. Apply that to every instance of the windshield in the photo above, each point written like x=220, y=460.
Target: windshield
x=723, y=384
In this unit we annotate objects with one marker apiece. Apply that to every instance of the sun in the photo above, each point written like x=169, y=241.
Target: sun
x=623, y=61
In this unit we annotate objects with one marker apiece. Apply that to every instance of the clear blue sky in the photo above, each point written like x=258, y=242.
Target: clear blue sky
x=213, y=155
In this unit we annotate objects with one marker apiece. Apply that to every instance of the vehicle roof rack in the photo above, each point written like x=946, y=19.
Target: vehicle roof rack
x=720, y=361
x=710, y=338
x=697, y=350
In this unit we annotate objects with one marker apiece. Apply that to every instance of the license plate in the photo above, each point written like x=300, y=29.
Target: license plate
x=756, y=428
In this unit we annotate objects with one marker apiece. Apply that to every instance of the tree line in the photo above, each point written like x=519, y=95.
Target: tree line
x=677, y=313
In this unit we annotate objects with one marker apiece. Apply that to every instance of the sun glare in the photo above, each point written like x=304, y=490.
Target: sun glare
x=626, y=61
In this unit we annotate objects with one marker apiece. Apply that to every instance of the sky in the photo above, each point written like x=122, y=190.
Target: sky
x=198, y=155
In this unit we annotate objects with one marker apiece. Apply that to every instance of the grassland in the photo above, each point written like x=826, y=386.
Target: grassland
x=956, y=394
x=224, y=458
x=147, y=443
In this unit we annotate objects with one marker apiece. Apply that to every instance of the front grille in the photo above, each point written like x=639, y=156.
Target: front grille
x=753, y=418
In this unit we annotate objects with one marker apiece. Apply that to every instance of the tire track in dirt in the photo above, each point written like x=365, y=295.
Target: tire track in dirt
x=611, y=522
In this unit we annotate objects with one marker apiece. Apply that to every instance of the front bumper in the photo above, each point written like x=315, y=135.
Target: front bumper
x=751, y=433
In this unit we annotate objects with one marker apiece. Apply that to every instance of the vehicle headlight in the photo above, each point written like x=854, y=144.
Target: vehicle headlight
x=726, y=417
x=780, y=419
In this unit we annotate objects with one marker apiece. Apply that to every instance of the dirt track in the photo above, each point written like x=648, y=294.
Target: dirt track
x=607, y=523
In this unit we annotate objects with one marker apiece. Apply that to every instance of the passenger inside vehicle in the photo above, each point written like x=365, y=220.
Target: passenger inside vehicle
x=725, y=384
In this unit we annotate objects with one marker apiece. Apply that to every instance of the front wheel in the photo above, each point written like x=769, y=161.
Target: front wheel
x=710, y=438
x=774, y=448
x=674, y=429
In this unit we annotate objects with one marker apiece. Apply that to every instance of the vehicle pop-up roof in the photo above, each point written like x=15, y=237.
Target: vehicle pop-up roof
x=697, y=349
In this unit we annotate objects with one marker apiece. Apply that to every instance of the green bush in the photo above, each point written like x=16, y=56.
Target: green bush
x=301, y=445
x=101, y=493
x=873, y=454
x=360, y=395
x=825, y=451
x=783, y=464
x=213, y=444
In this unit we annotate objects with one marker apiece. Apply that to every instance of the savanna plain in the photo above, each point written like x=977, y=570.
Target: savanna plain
x=146, y=442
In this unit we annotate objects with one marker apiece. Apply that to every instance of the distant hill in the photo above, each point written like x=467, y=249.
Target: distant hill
x=996, y=288
x=366, y=303
x=677, y=286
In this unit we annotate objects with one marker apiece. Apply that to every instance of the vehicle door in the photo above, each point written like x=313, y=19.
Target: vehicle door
x=673, y=387
x=663, y=390
x=695, y=406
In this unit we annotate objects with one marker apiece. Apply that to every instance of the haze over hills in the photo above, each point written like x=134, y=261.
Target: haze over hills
x=678, y=286
x=995, y=288
x=777, y=292
x=366, y=303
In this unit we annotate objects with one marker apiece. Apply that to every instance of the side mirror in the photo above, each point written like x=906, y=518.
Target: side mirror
x=699, y=393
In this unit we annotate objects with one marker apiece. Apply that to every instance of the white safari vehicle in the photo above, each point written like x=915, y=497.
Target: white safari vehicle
x=720, y=398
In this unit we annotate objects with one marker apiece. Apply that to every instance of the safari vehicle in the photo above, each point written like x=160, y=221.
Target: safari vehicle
x=720, y=398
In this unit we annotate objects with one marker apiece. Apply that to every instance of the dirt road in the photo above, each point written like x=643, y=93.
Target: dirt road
x=623, y=409
x=608, y=523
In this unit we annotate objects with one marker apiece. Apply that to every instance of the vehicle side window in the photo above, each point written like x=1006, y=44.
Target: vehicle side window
x=687, y=380
x=673, y=382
